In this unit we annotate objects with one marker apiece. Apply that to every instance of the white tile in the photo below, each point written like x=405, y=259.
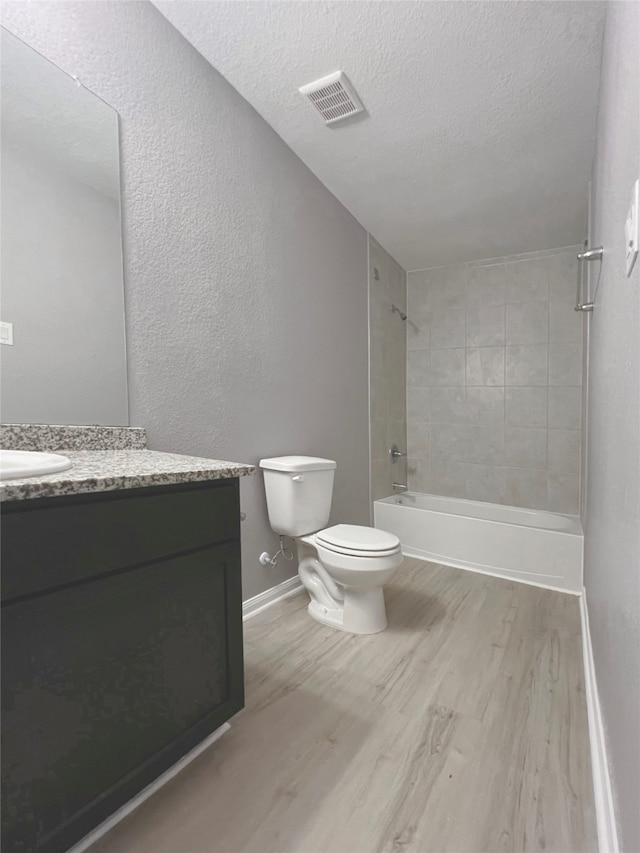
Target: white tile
x=527, y=323
x=485, y=326
x=377, y=320
x=525, y=448
x=417, y=278
x=484, y=445
x=397, y=284
x=448, y=405
x=448, y=328
x=447, y=366
x=564, y=493
x=564, y=451
x=485, y=405
x=417, y=292
x=380, y=479
x=565, y=324
x=419, y=475
x=397, y=410
x=379, y=447
x=563, y=276
x=565, y=364
x=527, y=280
x=565, y=407
x=397, y=433
x=485, y=483
x=526, y=365
x=419, y=367
x=397, y=357
x=526, y=407
x=485, y=366
x=486, y=285
x=449, y=442
x=418, y=326
x=418, y=404
x=379, y=403
x=526, y=487
x=448, y=478
x=447, y=287
x=376, y=354
x=418, y=440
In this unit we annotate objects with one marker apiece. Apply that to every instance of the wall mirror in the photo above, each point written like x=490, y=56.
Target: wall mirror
x=63, y=356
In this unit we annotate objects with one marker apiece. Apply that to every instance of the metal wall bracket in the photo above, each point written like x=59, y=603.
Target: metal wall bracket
x=591, y=254
x=587, y=255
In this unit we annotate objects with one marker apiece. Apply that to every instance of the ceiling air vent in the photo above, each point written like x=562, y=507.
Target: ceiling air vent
x=333, y=96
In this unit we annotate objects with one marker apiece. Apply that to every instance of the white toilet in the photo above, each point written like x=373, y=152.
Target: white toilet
x=343, y=567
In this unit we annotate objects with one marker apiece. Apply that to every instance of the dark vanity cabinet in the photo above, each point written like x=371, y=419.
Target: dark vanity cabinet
x=121, y=648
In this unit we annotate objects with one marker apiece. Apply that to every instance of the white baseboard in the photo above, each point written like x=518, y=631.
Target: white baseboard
x=252, y=606
x=133, y=804
x=603, y=794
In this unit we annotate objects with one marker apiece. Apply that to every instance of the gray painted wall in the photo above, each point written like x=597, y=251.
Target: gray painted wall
x=245, y=279
x=612, y=535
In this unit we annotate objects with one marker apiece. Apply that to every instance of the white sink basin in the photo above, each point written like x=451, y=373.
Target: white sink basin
x=17, y=464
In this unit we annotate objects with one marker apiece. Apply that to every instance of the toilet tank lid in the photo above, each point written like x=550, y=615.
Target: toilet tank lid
x=297, y=463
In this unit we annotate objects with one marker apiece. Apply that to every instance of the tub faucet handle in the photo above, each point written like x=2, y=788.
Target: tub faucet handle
x=395, y=453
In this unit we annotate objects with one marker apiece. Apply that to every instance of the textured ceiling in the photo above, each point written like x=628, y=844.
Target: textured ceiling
x=479, y=133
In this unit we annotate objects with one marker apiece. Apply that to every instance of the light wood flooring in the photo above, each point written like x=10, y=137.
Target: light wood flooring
x=462, y=727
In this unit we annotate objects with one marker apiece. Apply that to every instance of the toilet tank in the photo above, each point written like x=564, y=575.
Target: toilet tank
x=299, y=490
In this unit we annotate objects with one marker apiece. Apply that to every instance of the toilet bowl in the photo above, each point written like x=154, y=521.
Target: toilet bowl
x=344, y=569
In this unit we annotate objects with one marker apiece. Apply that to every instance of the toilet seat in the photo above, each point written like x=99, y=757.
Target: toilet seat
x=358, y=541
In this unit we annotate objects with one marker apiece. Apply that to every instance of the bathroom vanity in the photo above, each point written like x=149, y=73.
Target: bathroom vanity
x=121, y=589
x=121, y=632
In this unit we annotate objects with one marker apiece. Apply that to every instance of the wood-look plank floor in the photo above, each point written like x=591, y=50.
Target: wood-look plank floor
x=462, y=727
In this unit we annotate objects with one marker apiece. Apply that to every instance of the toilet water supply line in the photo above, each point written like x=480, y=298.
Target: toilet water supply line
x=313, y=575
x=267, y=560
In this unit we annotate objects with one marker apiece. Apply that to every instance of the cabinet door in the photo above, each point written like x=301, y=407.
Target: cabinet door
x=107, y=683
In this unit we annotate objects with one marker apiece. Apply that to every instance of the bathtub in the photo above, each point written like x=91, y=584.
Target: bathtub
x=533, y=546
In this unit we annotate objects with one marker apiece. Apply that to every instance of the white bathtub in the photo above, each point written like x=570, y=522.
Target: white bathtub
x=543, y=548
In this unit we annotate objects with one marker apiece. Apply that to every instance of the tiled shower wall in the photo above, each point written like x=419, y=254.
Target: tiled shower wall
x=494, y=372
x=387, y=368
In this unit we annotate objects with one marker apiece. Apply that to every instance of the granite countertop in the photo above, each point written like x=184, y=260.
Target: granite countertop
x=111, y=470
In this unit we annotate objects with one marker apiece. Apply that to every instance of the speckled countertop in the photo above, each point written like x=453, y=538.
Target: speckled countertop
x=105, y=459
x=54, y=437
x=111, y=470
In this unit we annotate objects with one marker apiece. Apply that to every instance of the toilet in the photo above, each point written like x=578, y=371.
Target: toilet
x=345, y=567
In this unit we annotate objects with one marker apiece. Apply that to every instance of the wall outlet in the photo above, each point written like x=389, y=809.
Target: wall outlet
x=632, y=229
x=6, y=333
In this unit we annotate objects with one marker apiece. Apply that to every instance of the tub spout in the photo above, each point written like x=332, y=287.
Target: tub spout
x=400, y=487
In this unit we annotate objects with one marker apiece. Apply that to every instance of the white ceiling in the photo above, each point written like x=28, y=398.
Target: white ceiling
x=480, y=124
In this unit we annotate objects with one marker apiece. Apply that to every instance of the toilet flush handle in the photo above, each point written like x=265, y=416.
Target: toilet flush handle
x=299, y=478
